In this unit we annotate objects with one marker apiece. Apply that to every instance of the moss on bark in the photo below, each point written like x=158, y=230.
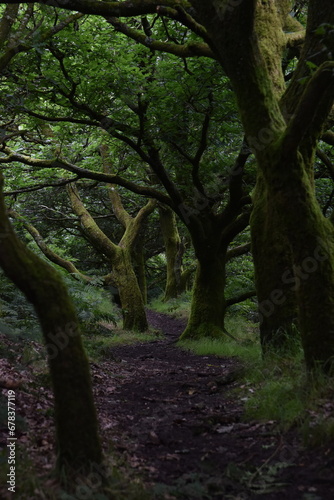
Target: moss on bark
x=273, y=272
x=311, y=238
x=208, y=301
x=76, y=424
x=173, y=248
x=134, y=317
x=138, y=257
x=123, y=275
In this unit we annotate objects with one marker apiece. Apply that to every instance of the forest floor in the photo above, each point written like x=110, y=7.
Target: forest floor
x=177, y=420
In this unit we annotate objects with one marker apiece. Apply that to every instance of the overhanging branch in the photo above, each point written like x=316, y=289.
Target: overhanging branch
x=95, y=7
x=86, y=174
x=189, y=49
x=37, y=187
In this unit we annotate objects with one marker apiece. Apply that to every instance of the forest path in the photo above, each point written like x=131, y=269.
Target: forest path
x=174, y=416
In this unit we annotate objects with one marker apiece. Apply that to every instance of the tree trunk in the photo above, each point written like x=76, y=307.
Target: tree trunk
x=76, y=424
x=134, y=317
x=277, y=304
x=311, y=238
x=172, y=242
x=138, y=258
x=283, y=135
x=123, y=275
x=208, y=301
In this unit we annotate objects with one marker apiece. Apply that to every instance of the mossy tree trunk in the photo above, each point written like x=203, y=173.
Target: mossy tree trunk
x=311, y=239
x=275, y=288
x=208, y=306
x=211, y=235
x=77, y=437
x=275, y=293
x=284, y=145
x=173, y=248
x=138, y=259
x=120, y=255
x=124, y=277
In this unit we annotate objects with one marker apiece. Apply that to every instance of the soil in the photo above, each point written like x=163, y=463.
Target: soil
x=177, y=419
x=182, y=422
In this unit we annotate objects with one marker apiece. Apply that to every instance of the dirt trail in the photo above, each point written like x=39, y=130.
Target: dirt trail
x=178, y=422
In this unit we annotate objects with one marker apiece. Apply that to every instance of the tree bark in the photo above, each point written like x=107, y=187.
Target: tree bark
x=75, y=417
x=208, y=300
x=311, y=239
x=133, y=310
x=138, y=258
x=277, y=305
x=284, y=146
x=172, y=242
x=123, y=275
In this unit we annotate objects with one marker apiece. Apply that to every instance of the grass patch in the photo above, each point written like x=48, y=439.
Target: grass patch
x=178, y=308
x=246, y=346
x=99, y=346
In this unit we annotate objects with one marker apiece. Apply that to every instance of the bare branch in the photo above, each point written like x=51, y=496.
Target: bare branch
x=240, y=298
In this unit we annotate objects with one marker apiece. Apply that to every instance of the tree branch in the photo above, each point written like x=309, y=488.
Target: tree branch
x=237, y=251
x=327, y=162
x=95, y=235
x=7, y=21
x=37, y=187
x=134, y=225
x=54, y=257
x=319, y=94
x=189, y=49
x=328, y=137
x=95, y=7
x=240, y=298
x=116, y=202
x=16, y=46
x=50, y=254
x=236, y=199
x=86, y=174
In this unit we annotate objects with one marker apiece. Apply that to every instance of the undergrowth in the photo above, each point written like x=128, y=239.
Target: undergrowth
x=178, y=307
x=275, y=387
x=111, y=481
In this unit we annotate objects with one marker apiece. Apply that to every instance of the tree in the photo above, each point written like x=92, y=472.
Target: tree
x=285, y=160
x=77, y=437
x=284, y=143
x=75, y=417
x=176, y=277
x=202, y=189
x=122, y=275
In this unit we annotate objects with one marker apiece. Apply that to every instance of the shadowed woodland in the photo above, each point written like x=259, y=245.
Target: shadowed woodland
x=166, y=249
